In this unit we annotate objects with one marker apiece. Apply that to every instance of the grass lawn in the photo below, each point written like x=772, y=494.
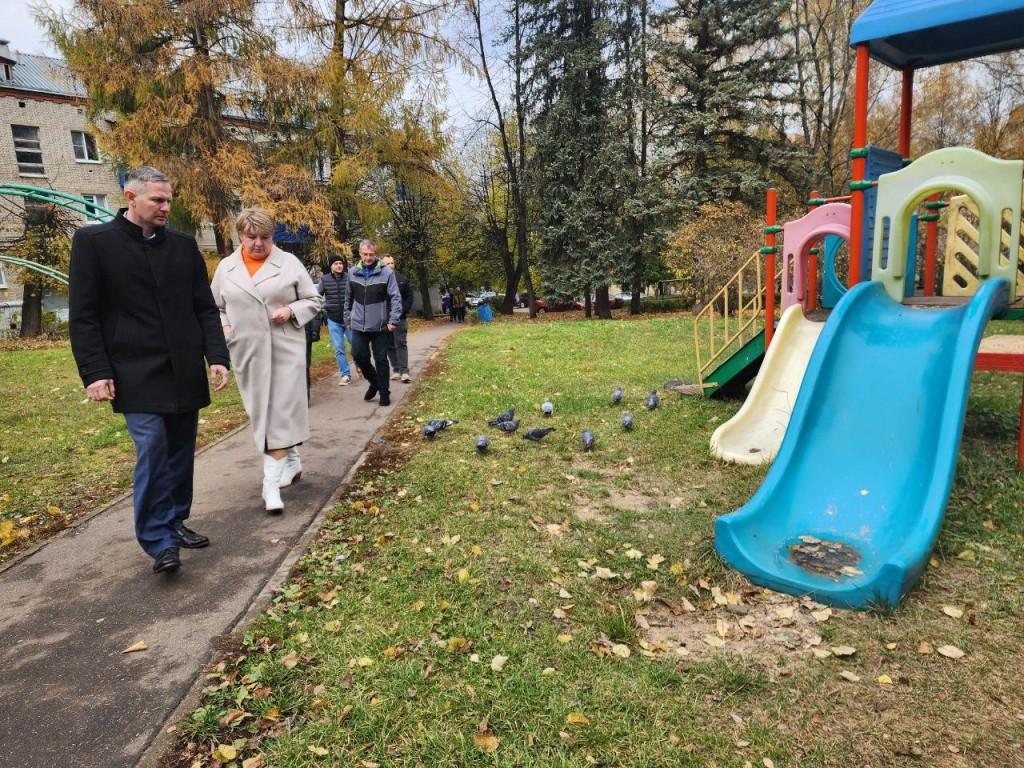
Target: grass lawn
x=538, y=606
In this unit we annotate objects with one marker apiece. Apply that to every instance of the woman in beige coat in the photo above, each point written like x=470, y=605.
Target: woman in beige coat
x=265, y=297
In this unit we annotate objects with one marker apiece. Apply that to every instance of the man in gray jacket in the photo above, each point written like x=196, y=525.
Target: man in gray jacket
x=373, y=307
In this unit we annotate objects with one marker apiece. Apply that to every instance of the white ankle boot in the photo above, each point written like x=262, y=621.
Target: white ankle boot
x=292, y=471
x=272, y=469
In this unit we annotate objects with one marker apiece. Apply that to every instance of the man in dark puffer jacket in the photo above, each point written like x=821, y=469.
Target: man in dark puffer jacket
x=373, y=307
x=332, y=287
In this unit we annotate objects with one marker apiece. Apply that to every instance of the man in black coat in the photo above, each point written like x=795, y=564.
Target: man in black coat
x=398, y=344
x=143, y=324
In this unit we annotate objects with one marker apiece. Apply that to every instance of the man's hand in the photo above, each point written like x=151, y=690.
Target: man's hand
x=101, y=390
x=391, y=327
x=218, y=377
x=281, y=316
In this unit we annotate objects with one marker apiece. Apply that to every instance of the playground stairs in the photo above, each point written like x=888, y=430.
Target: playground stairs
x=729, y=332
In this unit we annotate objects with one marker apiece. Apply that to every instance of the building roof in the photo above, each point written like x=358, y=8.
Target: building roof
x=41, y=74
x=923, y=33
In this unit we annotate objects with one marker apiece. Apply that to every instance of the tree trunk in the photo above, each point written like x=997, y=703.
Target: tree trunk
x=588, y=307
x=602, y=310
x=423, y=279
x=31, y=310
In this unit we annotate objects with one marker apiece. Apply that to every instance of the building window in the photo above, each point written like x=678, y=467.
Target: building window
x=90, y=207
x=28, y=150
x=85, y=147
x=3, y=278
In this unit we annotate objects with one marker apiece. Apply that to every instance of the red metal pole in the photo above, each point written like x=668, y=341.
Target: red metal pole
x=860, y=137
x=769, y=268
x=906, y=111
x=930, y=242
x=812, y=268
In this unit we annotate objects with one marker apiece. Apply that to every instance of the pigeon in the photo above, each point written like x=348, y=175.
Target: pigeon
x=588, y=440
x=547, y=407
x=503, y=417
x=617, y=396
x=538, y=433
x=653, y=400
x=627, y=420
x=429, y=432
x=438, y=424
x=507, y=426
x=482, y=443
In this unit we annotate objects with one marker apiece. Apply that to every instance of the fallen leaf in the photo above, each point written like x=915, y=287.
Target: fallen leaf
x=321, y=751
x=884, y=680
x=272, y=715
x=950, y=651
x=548, y=672
x=476, y=550
x=344, y=713
x=654, y=561
x=849, y=676
x=967, y=554
x=633, y=554
x=418, y=606
x=620, y=650
x=577, y=718
x=253, y=762
x=485, y=741
x=768, y=763
x=365, y=661
x=952, y=611
x=604, y=573
x=714, y=642
x=925, y=648
x=843, y=650
x=332, y=626
x=463, y=575
x=822, y=616
x=224, y=753
x=498, y=663
x=139, y=646
x=565, y=639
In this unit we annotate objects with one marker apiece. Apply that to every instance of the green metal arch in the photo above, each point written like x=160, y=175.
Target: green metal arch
x=52, y=197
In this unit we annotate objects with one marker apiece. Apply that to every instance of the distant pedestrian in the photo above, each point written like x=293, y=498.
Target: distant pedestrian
x=265, y=297
x=448, y=306
x=373, y=307
x=142, y=320
x=332, y=287
x=398, y=344
x=459, y=302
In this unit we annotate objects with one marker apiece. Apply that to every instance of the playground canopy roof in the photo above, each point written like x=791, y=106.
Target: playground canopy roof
x=923, y=33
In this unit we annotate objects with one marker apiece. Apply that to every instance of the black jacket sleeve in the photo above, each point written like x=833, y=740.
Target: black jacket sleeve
x=85, y=288
x=407, y=296
x=214, y=346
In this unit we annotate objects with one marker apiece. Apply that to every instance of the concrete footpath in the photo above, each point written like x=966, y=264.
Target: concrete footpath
x=68, y=695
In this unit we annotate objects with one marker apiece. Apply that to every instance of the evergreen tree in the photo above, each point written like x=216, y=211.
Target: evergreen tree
x=728, y=80
x=580, y=163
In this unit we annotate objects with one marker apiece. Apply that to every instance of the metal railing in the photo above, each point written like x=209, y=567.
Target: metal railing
x=740, y=303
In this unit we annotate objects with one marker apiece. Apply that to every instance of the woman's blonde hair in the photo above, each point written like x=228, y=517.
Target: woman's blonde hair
x=254, y=220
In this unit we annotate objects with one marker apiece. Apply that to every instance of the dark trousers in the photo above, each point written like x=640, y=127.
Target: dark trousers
x=165, y=450
x=377, y=369
x=398, y=347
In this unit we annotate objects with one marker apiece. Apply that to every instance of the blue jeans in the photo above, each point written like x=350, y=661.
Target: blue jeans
x=338, y=336
x=165, y=450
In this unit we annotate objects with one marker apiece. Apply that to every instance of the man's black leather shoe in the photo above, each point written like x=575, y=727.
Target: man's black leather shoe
x=385, y=400
x=167, y=561
x=192, y=540
x=370, y=393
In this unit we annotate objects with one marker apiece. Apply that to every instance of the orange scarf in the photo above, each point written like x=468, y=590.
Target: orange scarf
x=252, y=264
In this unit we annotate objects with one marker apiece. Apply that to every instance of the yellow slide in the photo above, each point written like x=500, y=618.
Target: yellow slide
x=754, y=434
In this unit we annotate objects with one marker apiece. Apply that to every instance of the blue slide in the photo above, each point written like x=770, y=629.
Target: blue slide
x=850, y=510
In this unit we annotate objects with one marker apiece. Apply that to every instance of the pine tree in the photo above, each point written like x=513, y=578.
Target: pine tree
x=728, y=77
x=580, y=158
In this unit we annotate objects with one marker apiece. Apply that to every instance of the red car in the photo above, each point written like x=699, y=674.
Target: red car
x=551, y=306
x=614, y=302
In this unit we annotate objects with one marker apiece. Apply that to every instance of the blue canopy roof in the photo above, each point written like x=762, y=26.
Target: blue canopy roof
x=923, y=33
x=284, y=236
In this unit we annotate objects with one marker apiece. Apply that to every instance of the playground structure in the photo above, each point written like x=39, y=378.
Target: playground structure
x=852, y=505
x=51, y=197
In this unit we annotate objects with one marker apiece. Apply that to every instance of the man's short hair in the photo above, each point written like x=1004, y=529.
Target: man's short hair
x=137, y=179
x=255, y=221
x=367, y=243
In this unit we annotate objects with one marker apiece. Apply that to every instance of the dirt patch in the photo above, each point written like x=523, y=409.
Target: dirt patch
x=631, y=500
x=760, y=629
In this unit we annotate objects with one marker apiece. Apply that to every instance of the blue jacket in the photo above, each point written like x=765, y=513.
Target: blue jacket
x=372, y=298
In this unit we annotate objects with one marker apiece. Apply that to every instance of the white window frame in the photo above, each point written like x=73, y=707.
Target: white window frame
x=96, y=200
x=3, y=277
x=25, y=146
x=83, y=141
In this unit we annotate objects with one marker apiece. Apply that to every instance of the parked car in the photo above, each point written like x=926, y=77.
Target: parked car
x=475, y=299
x=613, y=302
x=543, y=305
